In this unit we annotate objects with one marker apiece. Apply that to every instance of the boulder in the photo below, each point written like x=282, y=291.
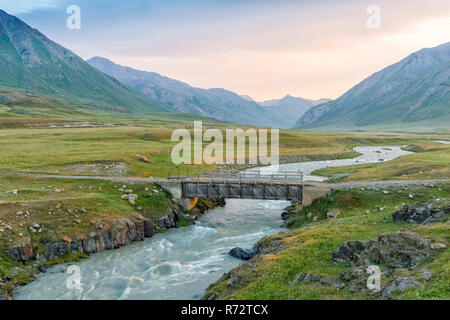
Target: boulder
x=167, y=221
x=149, y=230
x=333, y=214
x=422, y=212
x=23, y=252
x=241, y=253
x=399, y=284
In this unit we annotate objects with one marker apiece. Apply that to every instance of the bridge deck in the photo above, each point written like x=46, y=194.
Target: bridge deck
x=254, y=185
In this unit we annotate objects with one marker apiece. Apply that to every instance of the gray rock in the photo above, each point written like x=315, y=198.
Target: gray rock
x=167, y=221
x=23, y=252
x=241, y=253
x=422, y=212
x=396, y=250
x=398, y=285
x=149, y=230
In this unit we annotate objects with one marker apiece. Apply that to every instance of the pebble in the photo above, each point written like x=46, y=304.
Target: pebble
x=438, y=245
x=426, y=275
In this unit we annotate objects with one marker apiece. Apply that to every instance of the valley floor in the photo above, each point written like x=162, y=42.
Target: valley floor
x=39, y=209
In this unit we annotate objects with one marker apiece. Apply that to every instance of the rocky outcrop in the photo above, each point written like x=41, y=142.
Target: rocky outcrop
x=167, y=221
x=241, y=253
x=108, y=237
x=289, y=211
x=23, y=252
x=398, y=250
x=395, y=250
x=423, y=212
x=398, y=285
x=269, y=245
x=205, y=204
x=392, y=250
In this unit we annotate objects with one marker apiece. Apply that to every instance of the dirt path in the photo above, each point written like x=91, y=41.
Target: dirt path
x=377, y=184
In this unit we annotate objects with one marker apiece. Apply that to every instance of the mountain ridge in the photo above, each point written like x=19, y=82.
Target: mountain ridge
x=407, y=91
x=217, y=103
x=291, y=107
x=30, y=61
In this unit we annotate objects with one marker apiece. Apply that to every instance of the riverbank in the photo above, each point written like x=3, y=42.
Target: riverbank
x=306, y=262
x=198, y=255
x=44, y=222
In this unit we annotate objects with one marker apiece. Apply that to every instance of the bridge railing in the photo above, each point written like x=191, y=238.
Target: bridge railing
x=286, y=177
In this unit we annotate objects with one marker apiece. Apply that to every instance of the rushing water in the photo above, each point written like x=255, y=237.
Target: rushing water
x=183, y=262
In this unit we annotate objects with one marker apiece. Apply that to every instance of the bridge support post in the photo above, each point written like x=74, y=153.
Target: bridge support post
x=189, y=203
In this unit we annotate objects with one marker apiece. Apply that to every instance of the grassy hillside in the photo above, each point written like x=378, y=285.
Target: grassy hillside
x=308, y=245
x=408, y=93
x=31, y=62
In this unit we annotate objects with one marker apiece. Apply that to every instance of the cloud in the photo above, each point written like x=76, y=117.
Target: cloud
x=25, y=6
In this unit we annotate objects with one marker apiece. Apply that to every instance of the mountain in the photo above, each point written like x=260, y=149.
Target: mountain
x=414, y=90
x=31, y=62
x=248, y=98
x=291, y=108
x=216, y=103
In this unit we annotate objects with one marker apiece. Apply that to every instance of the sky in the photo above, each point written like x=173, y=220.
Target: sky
x=265, y=49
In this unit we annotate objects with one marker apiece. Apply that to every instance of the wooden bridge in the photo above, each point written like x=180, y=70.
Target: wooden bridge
x=263, y=185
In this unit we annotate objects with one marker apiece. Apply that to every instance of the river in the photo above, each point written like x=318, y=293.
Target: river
x=183, y=262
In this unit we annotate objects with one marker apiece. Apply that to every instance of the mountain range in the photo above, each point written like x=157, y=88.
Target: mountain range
x=31, y=62
x=414, y=91
x=291, y=108
x=216, y=103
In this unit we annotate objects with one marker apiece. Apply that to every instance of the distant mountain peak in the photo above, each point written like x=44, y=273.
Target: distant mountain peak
x=217, y=103
x=408, y=91
x=248, y=98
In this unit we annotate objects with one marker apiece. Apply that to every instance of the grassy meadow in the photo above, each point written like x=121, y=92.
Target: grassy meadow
x=67, y=151
x=36, y=137
x=308, y=247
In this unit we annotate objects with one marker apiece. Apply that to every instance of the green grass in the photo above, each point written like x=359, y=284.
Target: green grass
x=58, y=150
x=309, y=245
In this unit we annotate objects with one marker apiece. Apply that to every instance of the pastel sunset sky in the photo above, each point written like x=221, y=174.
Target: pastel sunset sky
x=264, y=49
